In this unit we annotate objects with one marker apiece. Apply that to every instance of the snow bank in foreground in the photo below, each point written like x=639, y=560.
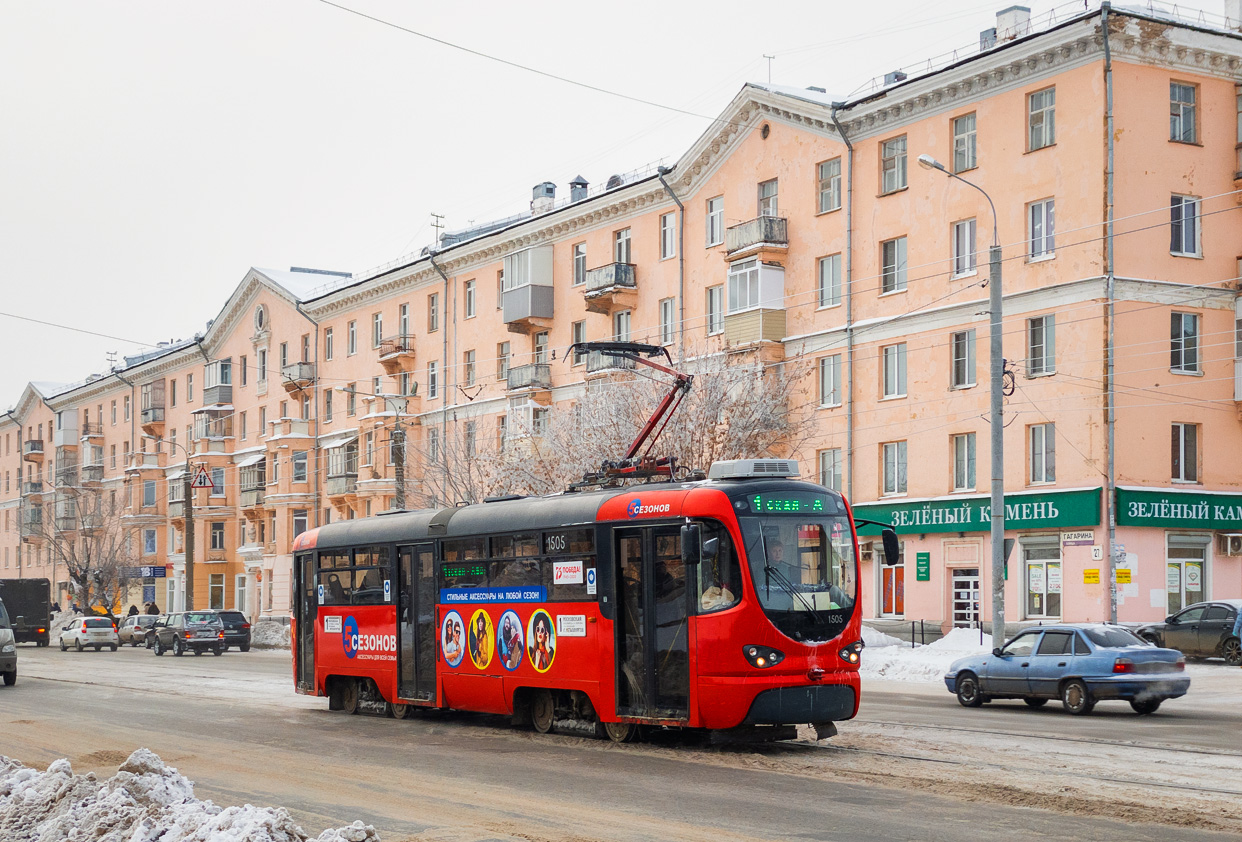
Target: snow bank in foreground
x=145, y=801
x=269, y=635
x=900, y=662
x=871, y=637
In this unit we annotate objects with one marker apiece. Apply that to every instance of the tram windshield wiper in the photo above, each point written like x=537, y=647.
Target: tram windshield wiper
x=788, y=587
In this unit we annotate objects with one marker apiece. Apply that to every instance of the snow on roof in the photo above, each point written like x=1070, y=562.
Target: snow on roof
x=47, y=388
x=303, y=284
x=807, y=94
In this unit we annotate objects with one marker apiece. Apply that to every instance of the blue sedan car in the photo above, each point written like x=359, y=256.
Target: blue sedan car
x=1080, y=664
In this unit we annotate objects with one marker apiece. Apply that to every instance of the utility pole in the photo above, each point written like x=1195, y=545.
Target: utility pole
x=189, y=536
x=398, y=459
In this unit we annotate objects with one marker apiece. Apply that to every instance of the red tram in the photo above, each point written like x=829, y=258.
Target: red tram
x=726, y=604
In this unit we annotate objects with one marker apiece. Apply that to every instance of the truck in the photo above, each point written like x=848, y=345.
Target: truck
x=29, y=605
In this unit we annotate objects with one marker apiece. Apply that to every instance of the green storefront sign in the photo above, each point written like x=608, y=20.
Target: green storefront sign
x=1039, y=510
x=1179, y=510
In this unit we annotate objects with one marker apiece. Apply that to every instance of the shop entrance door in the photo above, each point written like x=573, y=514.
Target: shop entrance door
x=966, y=597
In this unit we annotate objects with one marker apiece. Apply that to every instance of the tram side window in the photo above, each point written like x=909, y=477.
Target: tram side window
x=720, y=579
x=337, y=586
x=368, y=586
x=512, y=573
x=465, y=549
x=571, y=553
x=522, y=545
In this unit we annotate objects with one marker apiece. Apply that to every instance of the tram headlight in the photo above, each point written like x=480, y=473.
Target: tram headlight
x=763, y=656
x=853, y=653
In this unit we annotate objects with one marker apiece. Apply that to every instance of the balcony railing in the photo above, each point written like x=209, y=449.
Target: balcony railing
x=220, y=394
x=32, y=521
x=597, y=361
x=153, y=415
x=769, y=230
x=66, y=523
x=32, y=449
x=402, y=343
x=92, y=473
x=532, y=376
x=298, y=374
x=92, y=429
x=341, y=485
x=176, y=508
x=66, y=437
x=67, y=477
x=609, y=276
x=251, y=497
x=35, y=487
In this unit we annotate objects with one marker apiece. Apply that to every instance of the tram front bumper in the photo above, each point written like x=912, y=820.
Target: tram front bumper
x=730, y=701
x=797, y=705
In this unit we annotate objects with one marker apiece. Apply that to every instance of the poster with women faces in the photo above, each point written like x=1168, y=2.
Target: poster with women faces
x=541, y=641
x=451, y=638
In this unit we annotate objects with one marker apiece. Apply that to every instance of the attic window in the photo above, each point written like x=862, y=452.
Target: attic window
x=260, y=318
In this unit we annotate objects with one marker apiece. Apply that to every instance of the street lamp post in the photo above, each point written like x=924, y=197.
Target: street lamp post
x=188, y=480
x=996, y=411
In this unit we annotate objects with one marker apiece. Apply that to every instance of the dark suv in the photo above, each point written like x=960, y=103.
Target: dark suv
x=1202, y=630
x=201, y=631
x=236, y=629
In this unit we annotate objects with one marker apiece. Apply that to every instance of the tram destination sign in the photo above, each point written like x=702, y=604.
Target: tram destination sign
x=792, y=504
x=1042, y=510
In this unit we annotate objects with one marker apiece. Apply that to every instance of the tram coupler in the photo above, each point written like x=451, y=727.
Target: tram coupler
x=824, y=730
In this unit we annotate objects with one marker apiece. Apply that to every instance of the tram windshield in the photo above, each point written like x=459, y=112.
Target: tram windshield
x=803, y=567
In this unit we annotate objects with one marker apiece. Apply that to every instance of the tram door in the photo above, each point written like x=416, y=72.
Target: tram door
x=306, y=604
x=416, y=621
x=653, y=662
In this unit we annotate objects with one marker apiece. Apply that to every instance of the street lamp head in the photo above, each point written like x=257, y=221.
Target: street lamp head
x=927, y=162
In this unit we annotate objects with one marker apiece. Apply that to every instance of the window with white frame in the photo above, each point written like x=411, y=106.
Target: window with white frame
x=830, y=380
x=715, y=221
x=469, y=290
x=377, y=329
x=893, y=165
x=965, y=254
x=829, y=281
x=768, y=205
x=148, y=542
x=668, y=235
x=217, y=482
x=502, y=360
x=743, y=285
x=621, y=246
x=1041, y=228
x=580, y=267
x=468, y=367
x=433, y=445
x=1041, y=345
x=1184, y=343
x=1185, y=452
x=299, y=466
x=433, y=379
x=239, y=592
x=351, y=345
x=893, y=265
x=1043, y=451
x=301, y=522
x=217, y=534
x=1184, y=226
x=403, y=320
x=963, y=359
x=541, y=347
x=621, y=326
x=894, y=469
x=830, y=468
x=1041, y=119
x=715, y=309
x=1182, y=112
x=894, y=379
x=964, y=462
x=964, y=150
x=215, y=591
x=830, y=185
x=327, y=345
x=578, y=334
x=433, y=312
x=668, y=321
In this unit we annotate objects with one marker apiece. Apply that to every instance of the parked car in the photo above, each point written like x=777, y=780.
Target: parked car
x=236, y=629
x=8, y=649
x=1202, y=630
x=1080, y=664
x=134, y=628
x=81, y=632
x=199, y=631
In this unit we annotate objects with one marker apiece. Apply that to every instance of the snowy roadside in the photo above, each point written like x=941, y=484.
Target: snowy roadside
x=145, y=801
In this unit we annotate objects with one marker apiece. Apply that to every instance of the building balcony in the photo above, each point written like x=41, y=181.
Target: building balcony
x=396, y=353
x=533, y=376
x=66, y=523
x=598, y=362
x=141, y=461
x=297, y=376
x=92, y=430
x=176, y=509
x=610, y=286
x=343, y=485
x=218, y=395
x=765, y=234
x=152, y=420
x=67, y=477
x=751, y=327
x=92, y=474
x=31, y=488
x=31, y=523
x=66, y=437
x=252, y=496
x=32, y=450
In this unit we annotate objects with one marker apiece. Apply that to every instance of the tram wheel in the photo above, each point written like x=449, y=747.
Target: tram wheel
x=542, y=711
x=398, y=711
x=349, y=696
x=620, y=732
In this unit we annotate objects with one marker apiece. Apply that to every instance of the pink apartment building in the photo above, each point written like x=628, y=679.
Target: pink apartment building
x=796, y=230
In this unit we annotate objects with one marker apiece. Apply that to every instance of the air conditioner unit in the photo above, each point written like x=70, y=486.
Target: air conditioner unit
x=1229, y=543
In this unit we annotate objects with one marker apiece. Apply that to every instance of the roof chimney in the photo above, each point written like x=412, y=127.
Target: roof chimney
x=578, y=189
x=543, y=197
x=1013, y=22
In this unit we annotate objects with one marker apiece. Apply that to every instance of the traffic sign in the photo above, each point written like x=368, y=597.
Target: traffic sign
x=201, y=478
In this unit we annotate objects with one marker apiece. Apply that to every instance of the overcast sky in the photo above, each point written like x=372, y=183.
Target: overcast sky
x=151, y=152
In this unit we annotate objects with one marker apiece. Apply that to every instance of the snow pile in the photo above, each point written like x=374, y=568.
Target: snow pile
x=268, y=635
x=872, y=637
x=900, y=662
x=145, y=801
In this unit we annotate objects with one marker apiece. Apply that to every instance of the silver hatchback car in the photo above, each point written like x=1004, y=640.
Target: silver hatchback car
x=83, y=632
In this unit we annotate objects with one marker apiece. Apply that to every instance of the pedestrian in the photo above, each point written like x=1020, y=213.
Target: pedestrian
x=133, y=609
x=153, y=609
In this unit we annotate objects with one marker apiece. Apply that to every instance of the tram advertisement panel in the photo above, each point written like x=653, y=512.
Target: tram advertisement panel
x=356, y=639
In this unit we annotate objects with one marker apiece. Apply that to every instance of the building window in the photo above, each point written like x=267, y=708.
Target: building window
x=468, y=367
x=284, y=361
x=217, y=482
x=351, y=338
x=1184, y=226
x=894, y=467
x=578, y=333
x=743, y=285
x=830, y=185
x=964, y=252
x=668, y=321
x=148, y=493
x=433, y=379
x=964, y=462
x=893, y=265
x=377, y=329
x=829, y=280
x=621, y=246
x=300, y=523
x=768, y=205
x=1184, y=343
x=217, y=534
x=580, y=267
x=471, y=438
x=894, y=357
x=964, y=149
x=668, y=236
x=1041, y=223
x=963, y=371
x=433, y=445
x=1185, y=452
x=351, y=399
x=1041, y=346
x=715, y=221
x=502, y=361
x=468, y=290
x=715, y=309
x=1041, y=119
x=299, y=466
x=541, y=347
x=241, y=419
x=433, y=312
x=1186, y=564
x=1182, y=113
x=148, y=542
x=1043, y=579
x=327, y=408
x=830, y=380
x=1043, y=453
x=242, y=369
x=830, y=468
x=621, y=326
x=113, y=415
x=893, y=165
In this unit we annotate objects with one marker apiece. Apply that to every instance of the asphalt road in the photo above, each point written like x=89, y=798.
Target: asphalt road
x=234, y=726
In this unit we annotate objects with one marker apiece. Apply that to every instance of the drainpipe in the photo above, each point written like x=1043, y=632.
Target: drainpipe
x=1110, y=487
x=443, y=391
x=315, y=392
x=681, y=263
x=849, y=302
